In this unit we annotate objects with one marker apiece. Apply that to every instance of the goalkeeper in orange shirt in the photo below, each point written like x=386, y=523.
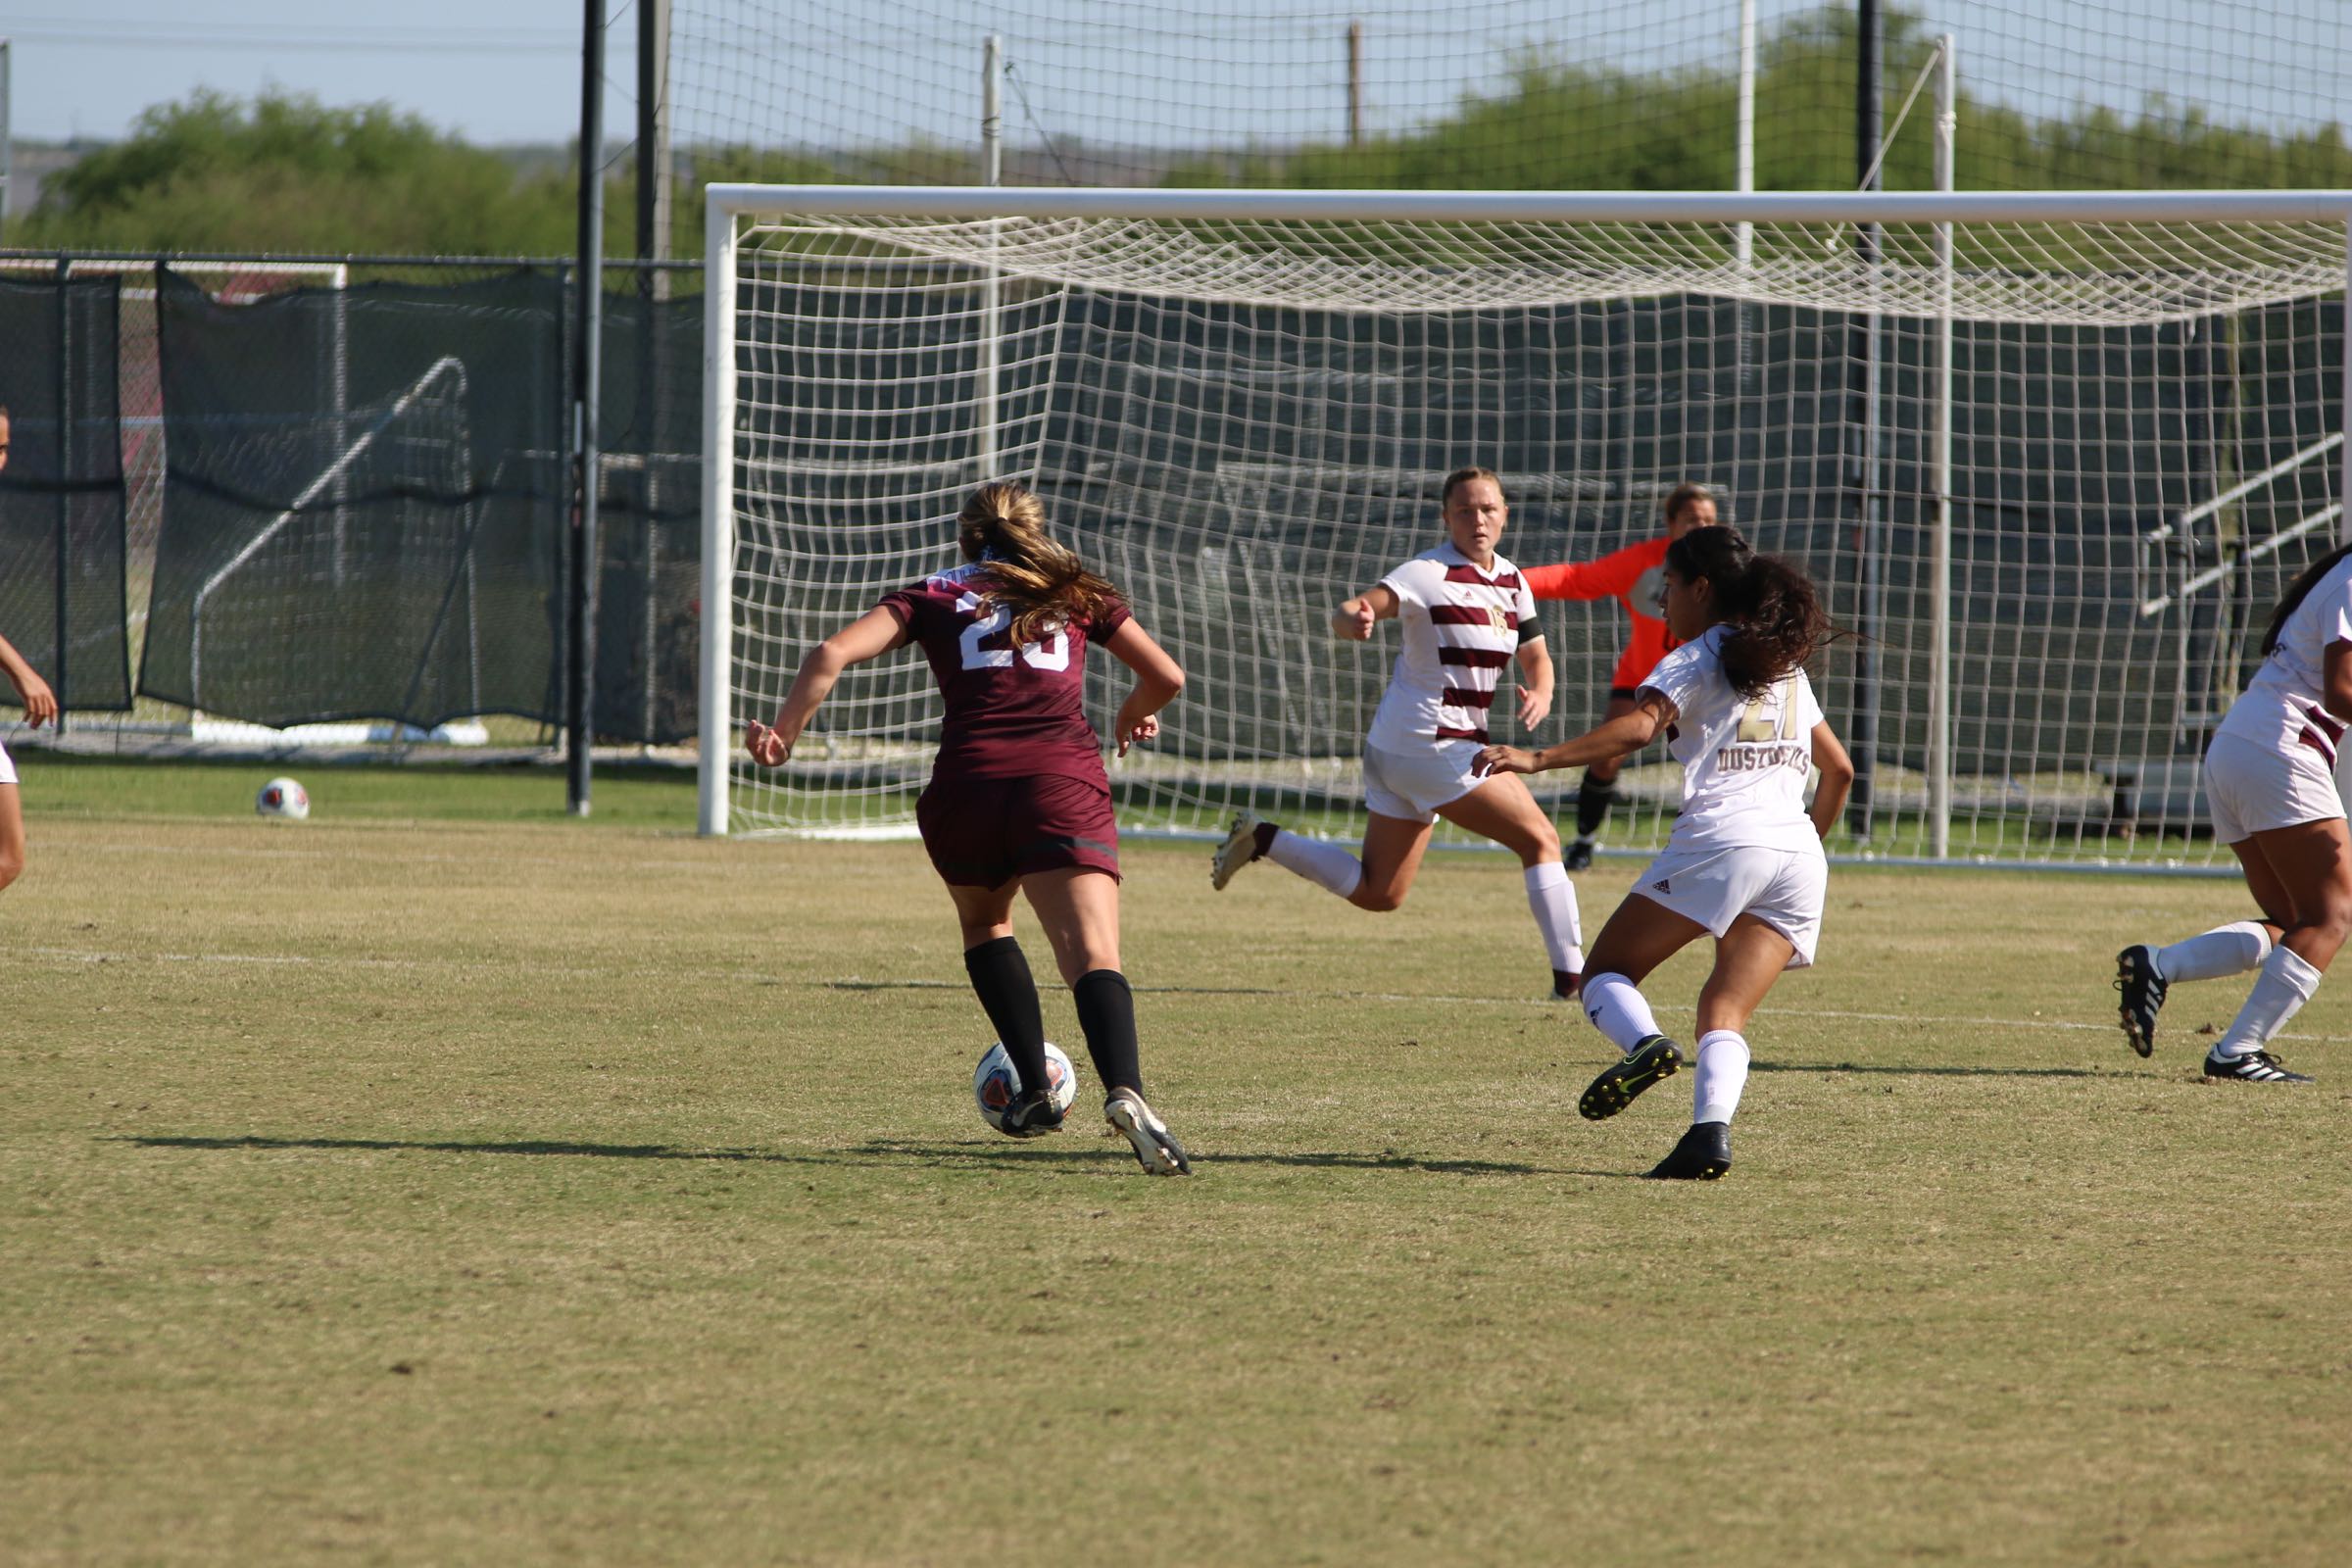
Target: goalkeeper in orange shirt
x=1635, y=576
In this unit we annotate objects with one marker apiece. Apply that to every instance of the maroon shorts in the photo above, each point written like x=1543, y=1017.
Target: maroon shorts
x=984, y=832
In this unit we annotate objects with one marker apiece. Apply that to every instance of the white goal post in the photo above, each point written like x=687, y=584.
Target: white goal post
x=2097, y=429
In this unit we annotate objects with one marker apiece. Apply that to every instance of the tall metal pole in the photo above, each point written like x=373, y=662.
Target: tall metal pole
x=655, y=177
x=588, y=280
x=1355, y=82
x=717, y=651
x=1743, y=156
x=1939, y=587
x=2343, y=479
x=61, y=676
x=652, y=345
x=8, y=139
x=992, y=296
x=1863, y=424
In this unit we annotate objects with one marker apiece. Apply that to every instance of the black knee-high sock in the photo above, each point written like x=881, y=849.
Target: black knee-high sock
x=1593, y=797
x=1009, y=996
x=1107, y=1012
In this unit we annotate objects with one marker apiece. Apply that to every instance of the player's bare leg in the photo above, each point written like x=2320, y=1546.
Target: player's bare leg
x=1000, y=974
x=1748, y=958
x=1641, y=935
x=12, y=834
x=1504, y=810
x=1392, y=857
x=2302, y=876
x=1079, y=908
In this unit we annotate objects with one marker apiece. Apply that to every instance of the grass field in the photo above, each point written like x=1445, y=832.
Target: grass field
x=440, y=1181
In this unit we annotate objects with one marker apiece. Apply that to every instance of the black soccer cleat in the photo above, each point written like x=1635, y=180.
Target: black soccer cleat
x=1578, y=856
x=2254, y=1068
x=1617, y=1086
x=1703, y=1154
x=2143, y=992
x=1032, y=1115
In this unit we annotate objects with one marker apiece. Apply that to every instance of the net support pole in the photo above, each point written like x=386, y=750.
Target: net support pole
x=1939, y=589
x=580, y=654
x=61, y=675
x=992, y=296
x=715, y=703
x=1861, y=803
x=2343, y=477
x=1743, y=152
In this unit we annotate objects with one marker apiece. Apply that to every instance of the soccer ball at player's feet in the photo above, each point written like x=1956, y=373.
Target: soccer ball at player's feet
x=998, y=1089
x=283, y=797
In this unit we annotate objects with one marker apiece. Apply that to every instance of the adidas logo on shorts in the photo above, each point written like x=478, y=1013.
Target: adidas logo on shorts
x=1660, y=886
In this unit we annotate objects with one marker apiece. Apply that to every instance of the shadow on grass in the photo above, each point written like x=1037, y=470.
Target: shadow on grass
x=874, y=1152
x=1932, y=1072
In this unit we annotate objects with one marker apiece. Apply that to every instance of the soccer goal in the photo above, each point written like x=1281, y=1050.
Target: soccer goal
x=2052, y=455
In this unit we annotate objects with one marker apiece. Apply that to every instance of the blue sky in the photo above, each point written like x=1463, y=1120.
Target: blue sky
x=493, y=69
x=506, y=70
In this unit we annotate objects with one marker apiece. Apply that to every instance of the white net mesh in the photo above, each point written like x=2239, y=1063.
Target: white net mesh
x=1244, y=423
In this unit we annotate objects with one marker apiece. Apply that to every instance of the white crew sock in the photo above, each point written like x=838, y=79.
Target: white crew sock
x=1552, y=897
x=2224, y=950
x=1618, y=1011
x=1327, y=865
x=2285, y=983
x=1721, y=1074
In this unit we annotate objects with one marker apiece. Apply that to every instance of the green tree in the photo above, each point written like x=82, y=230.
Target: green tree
x=283, y=173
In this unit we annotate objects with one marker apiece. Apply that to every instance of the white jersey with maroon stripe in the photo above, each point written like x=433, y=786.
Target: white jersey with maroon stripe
x=1461, y=627
x=2283, y=705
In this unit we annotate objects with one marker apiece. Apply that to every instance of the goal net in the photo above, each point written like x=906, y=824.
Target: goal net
x=2052, y=455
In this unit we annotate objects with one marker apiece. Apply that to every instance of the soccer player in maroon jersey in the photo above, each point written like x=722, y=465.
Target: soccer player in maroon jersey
x=1632, y=578
x=1018, y=799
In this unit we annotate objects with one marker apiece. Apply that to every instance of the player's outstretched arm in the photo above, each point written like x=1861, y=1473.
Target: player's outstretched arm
x=870, y=636
x=1535, y=692
x=1604, y=579
x=1353, y=621
x=1837, y=777
x=40, y=702
x=1620, y=736
x=1158, y=679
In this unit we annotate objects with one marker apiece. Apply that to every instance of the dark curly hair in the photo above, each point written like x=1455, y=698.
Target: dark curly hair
x=1777, y=618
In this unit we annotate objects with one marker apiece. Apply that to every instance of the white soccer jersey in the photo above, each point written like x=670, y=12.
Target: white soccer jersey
x=1745, y=760
x=2282, y=705
x=1461, y=627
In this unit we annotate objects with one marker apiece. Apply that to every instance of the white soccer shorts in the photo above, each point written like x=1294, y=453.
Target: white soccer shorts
x=1412, y=785
x=8, y=769
x=1715, y=886
x=2251, y=788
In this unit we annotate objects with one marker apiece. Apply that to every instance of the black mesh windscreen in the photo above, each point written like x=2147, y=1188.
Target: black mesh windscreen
x=363, y=509
x=649, y=518
x=62, y=494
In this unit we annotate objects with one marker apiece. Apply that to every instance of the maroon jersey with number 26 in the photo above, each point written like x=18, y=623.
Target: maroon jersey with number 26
x=1011, y=713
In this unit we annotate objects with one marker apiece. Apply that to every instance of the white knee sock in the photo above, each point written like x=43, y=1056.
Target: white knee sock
x=1552, y=897
x=1618, y=1011
x=2224, y=950
x=1721, y=1074
x=2285, y=983
x=1327, y=865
